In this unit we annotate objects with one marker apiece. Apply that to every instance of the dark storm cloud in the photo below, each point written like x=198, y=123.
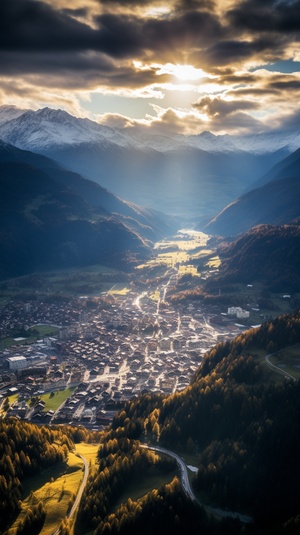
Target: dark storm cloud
x=195, y=4
x=80, y=12
x=125, y=3
x=178, y=5
x=251, y=92
x=238, y=50
x=267, y=16
x=286, y=85
x=121, y=35
x=28, y=25
x=37, y=38
x=77, y=71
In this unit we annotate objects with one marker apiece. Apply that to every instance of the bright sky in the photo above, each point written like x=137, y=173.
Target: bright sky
x=177, y=65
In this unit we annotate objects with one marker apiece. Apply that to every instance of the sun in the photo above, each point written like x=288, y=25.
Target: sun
x=186, y=73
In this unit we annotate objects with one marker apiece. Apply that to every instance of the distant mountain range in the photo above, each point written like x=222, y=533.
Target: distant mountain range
x=52, y=218
x=190, y=176
x=274, y=200
x=223, y=184
x=77, y=130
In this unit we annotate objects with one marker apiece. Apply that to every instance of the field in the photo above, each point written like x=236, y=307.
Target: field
x=288, y=360
x=90, y=280
x=184, y=250
x=32, y=335
x=89, y=451
x=56, y=488
x=142, y=485
x=53, y=400
x=119, y=289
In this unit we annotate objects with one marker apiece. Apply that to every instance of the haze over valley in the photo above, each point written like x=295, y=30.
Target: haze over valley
x=149, y=267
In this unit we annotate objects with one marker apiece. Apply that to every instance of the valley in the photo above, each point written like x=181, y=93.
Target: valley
x=106, y=348
x=112, y=344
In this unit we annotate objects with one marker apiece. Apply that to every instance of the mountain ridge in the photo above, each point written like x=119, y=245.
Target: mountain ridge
x=274, y=200
x=51, y=217
x=288, y=140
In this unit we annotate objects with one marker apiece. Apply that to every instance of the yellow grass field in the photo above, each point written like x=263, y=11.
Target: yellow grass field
x=155, y=296
x=89, y=451
x=186, y=247
x=189, y=270
x=119, y=289
x=55, y=487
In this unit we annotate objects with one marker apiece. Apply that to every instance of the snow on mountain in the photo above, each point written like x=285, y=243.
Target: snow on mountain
x=47, y=128
x=209, y=142
x=268, y=142
x=7, y=113
x=160, y=143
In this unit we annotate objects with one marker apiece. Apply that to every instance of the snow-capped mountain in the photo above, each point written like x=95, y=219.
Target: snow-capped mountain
x=7, y=113
x=268, y=142
x=210, y=142
x=190, y=176
x=46, y=128
x=40, y=130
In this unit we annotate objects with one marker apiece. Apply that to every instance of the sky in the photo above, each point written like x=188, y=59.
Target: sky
x=180, y=66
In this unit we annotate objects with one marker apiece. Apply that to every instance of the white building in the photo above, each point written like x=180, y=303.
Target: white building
x=238, y=312
x=16, y=363
x=243, y=314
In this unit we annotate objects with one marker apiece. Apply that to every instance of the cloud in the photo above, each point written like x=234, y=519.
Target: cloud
x=218, y=107
x=269, y=16
x=116, y=120
x=34, y=26
x=31, y=26
x=289, y=121
x=162, y=122
x=50, y=47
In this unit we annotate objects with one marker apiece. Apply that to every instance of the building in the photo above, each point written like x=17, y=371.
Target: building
x=16, y=363
x=238, y=312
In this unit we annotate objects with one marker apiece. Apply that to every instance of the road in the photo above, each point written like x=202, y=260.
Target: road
x=82, y=487
x=79, y=493
x=183, y=469
x=277, y=369
x=245, y=519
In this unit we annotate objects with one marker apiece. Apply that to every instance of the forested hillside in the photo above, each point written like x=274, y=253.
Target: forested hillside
x=123, y=464
x=25, y=450
x=238, y=421
x=266, y=253
x=243, y=426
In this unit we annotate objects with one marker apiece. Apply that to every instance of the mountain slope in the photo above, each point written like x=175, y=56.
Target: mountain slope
x=240, y=424
x=269, y=254
x=152, y=224
x=51, y=218
x=275, y=203
x=172, y=174
x=287, y=167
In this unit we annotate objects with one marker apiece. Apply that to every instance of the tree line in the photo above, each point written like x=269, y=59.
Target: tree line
x=25, y=450
x=242, y=425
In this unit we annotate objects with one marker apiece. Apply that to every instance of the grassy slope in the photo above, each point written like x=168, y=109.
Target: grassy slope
x=55, y=488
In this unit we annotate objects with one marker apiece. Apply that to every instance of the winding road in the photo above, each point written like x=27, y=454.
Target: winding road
x=277, y=369
x=183, y=469
x=245, y=519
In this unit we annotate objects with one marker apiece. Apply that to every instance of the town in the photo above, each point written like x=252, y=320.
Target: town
x=106, y=350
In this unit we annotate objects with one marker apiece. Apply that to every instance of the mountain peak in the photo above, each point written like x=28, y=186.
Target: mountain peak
x=7, y=113
x=56, y=115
